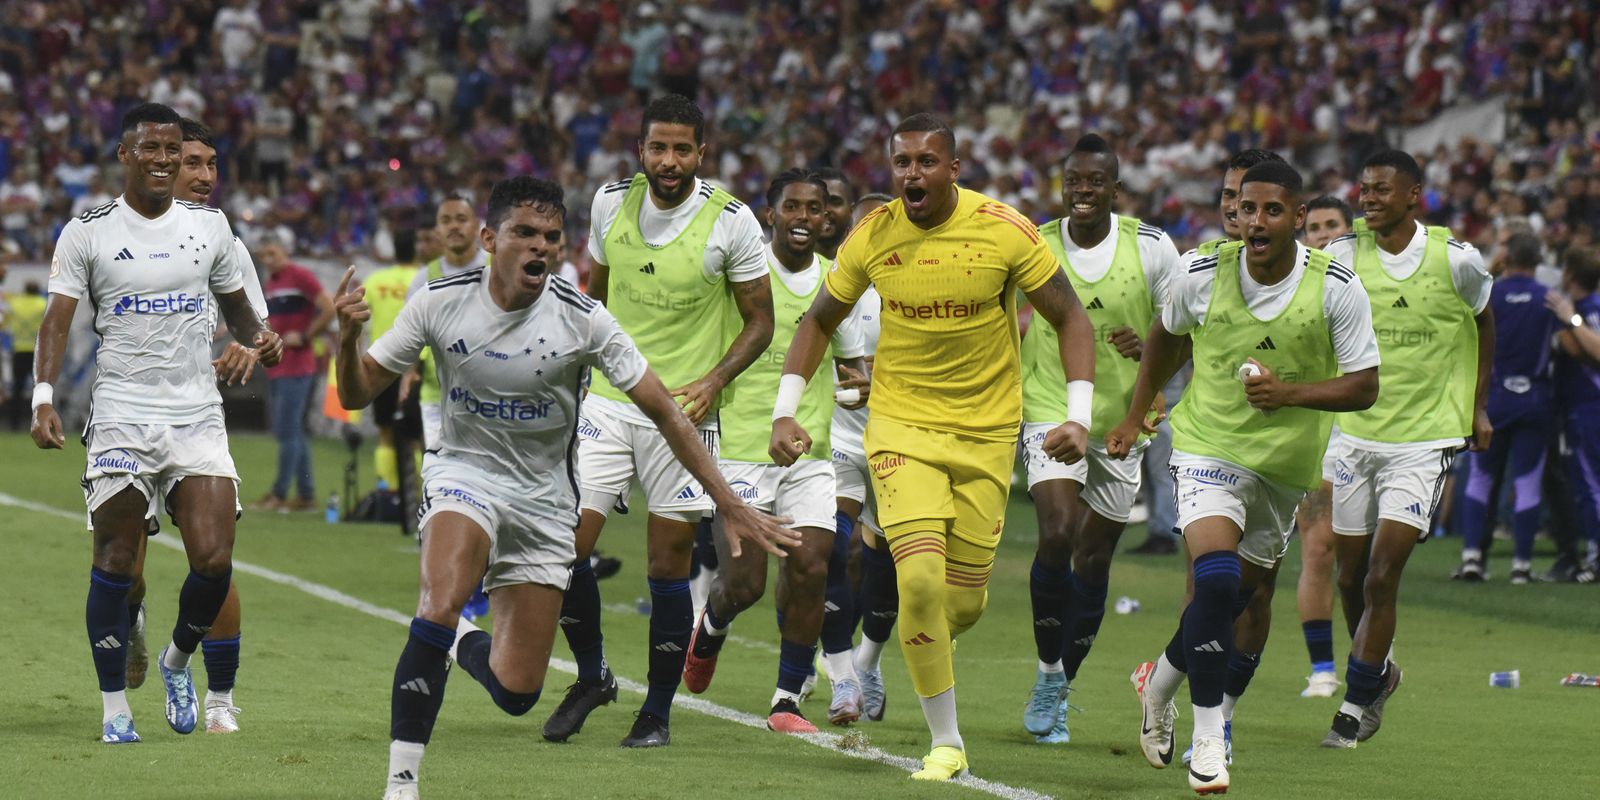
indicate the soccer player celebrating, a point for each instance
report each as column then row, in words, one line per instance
column 149, row 266
column 946, row 400
column 877, row 600
column 682, row 265
column 1430, row 307
column 1327, row 218
column 802, row 492
column 1121, row 264
column 500, row 500
column 1285, row 321
column 1520, row 398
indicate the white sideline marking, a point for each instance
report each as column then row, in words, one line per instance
column 828, row 741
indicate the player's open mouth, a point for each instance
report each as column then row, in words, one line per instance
column 163, row 174
column 799, row 236
column 534, row 269
column 1258, row 244
column 669, row 181
column 1082, row 207
column 916, row 196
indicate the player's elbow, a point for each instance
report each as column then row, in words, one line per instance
column 1365, row 391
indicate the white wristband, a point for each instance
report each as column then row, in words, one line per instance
column 43, row 395
column 790, row 388
column 1080, row 402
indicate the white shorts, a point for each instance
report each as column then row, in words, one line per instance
column 803, row 492
column 432, row 425
column 524, row 547
column 1403, row 487
column 153, row 458
column 1330, row 455
column 854, row 483
column 613, row 453
column 1109, row 486
column 1263, row 509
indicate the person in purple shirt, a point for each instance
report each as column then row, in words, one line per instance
column 1577, row 388
column 1519, row 408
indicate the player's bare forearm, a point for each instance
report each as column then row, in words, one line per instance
column 1355, row 391
column 754, row 300
column 53, row 331
column 651, row 397
column 1485, row 323
column 241, row 317
column 599, row 281
column 1058, row 304
column 361, row 378
column 815, row 331
column 1164, row 353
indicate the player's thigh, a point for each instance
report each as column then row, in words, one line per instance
column 669, row 490
column 1355, row 491
column 805, row 493
column 605, row 460
column 1213, row 499
column 1269, row 519
column 980, row 474
column 525, row 621
column 1409, row 486
column 757, row 485
column 122, row 479
column 910, row 490
column 1112, row 484
column 460, row 518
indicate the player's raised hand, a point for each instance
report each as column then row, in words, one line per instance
column 1127, row 342
column 853, row 379
column 351, row 306
column 269, row 348
column 46, row 428
column 235, row 364
column 741, row 523
column 789, row 441
column 1066, row 442
column 697, row 399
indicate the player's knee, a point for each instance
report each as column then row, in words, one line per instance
column 1382, row 585
column 742, row 591
column 1092, row 562
column 1055, row 538
column 919, row 588
column 963, row 607
column 517, row 697
column 212, row 563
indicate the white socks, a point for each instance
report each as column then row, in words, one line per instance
column 1350, row 708
column 1207, row 722
column 1228, row 704
column 868, row 654
column 175, row 658
column 841, row 665
column 1052, row 669
column 940, row 711
column 405, row 760
column 112, row 704
column 215, row 699
column 1164, row 680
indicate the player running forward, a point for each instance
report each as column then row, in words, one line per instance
column 947, row 396
column 151, row 268
column 877, row 600
column 1260, row 312
column 802, row 492
column 197, row 175
column 500, row 498
column 1430, row 307
column 683, row 267
column 1120, row 265
column 1520, row 398
column 1327, row 218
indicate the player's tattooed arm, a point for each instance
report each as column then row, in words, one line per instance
column 248, row 328
column 754, row 299
column 46, row 429
column 1058, row 304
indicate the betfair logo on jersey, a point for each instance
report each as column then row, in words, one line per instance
column 949, row 309
column 1403, row 336
column 657, row 298
column 174, row 303
column 513, row 409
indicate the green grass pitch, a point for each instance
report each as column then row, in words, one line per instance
column 315, row 675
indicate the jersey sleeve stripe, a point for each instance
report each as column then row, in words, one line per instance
column 97, row 212
column 571, row 295
column 1013, row 214
column 574, row 303
column 876, row 212
column 1349, row 237
column 464, row 279
column 1032, row 237
column 619, row 186
column 1202, row 264
column 1459, row 245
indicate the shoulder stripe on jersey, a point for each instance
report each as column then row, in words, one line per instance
column 1459, row 245
column 1202, row 264
column 573, row 300
column 1349, row 237
column 872, row 215
column 463, row 279
column 570, row 293
column 1008, row 211
column 198, row 206
column 619, row 186
column 1145, row 226
column 1150, row 234
column 1026, row 227
column 1340, row 273
column 97, row 212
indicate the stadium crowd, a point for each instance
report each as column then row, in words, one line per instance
column 336, row 122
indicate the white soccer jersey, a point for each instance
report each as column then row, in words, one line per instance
column 151, row 284
column 850, row 424
column 735, row 247
column 1158, row 256
column 511, row 380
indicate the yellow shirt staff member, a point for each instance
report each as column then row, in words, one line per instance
column 946, row 393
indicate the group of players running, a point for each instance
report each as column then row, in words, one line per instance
column 705, row 342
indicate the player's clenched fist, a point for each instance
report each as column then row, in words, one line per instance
column 351, row 306
column 1066, row 442
column 789, row 442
